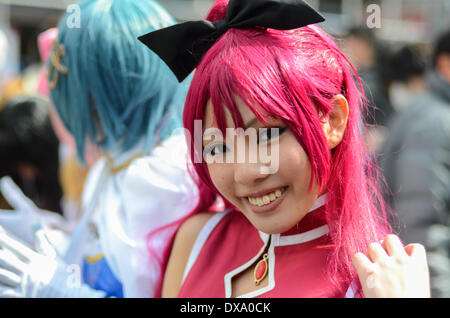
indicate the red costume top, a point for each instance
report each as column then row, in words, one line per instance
column 228, row 244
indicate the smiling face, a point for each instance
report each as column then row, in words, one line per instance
column 273, row 203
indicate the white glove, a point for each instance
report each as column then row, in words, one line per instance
column 26, row 217
column 27, row 273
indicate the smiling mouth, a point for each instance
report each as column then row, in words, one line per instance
column 266, row 199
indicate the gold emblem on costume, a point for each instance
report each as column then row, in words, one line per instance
column 261, row 268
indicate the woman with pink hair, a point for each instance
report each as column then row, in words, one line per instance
column 316, row 225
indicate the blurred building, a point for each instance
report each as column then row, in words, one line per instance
column 401, row 22
column 23, row 20
column 407, row 21
column 411, row 21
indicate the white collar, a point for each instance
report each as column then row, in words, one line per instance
column 279, row 240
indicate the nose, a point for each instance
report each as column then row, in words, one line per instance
column 249, row 174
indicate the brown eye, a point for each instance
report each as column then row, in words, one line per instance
column 219, row 149
column 216, row 149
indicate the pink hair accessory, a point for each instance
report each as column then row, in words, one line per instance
column 45, row 41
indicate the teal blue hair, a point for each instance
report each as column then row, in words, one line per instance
column 116, row 92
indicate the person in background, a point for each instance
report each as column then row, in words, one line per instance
column 404, row 73
column 416, row 164
column 114, row 97
column 29, row 151
column 28, row 210
column 369, row 56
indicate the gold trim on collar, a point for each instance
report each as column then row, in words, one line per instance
column 115, row 169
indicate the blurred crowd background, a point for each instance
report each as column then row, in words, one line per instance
column 403, row 59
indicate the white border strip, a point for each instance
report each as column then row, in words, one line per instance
column 351, row 291
column 201, row 239
column 303, row 237
column 230, row 275
column 271, row 284
column 322, row 200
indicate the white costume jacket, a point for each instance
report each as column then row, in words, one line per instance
column 122, row 203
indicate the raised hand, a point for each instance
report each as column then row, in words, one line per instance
column 391, row 270
column 25, row 272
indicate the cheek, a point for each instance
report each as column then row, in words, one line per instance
column 222, row 178
column 294, row 163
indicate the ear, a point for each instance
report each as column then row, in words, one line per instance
column 334, row 126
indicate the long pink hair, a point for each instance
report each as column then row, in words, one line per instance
column 294, row 75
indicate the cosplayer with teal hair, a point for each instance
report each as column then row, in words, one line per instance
column 119, row 101
column 114, row 92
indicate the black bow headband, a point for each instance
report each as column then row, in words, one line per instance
column 182, row 46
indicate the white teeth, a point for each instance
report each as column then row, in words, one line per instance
column 265, row 199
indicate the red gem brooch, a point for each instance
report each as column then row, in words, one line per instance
column 261, row 269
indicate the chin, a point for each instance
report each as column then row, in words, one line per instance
column 269, row 228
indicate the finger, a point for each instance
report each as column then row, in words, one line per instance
column 376, row 253
column 12, row 193
column 16, row 198
column 394, row 246
column 8, row 216
column 22, row 251
column 8, row 278
column 10, row 262
column 415, row 249
column 8, row 292
column 362, row 264
column 43, row 245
